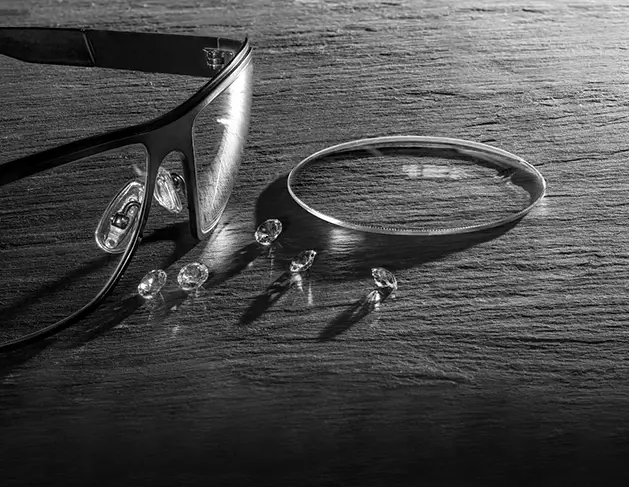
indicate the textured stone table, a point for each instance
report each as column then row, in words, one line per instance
column 504, row 357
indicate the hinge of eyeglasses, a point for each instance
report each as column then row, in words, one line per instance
column 216, row 59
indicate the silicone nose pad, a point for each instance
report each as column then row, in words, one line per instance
column 170, row 190
column 120, row 219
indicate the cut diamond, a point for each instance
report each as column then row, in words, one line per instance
column 384, row 278
column 152, row 283
column 268, row 231
column 303, row 261
column 192, row 276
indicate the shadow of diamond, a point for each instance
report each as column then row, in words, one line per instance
column 356, row 312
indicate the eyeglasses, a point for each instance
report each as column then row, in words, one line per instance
column 75, row 213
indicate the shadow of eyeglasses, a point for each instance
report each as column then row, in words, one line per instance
column 346, row 254
column 343, row 255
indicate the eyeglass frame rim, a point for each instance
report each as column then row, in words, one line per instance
column 31, row 164
column 148, row 134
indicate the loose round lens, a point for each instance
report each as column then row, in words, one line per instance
column 63, row 233
column 412, row 189
column 220, row 130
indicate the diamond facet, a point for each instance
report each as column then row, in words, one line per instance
column 192, row 276
column 303, row 261
column 384, row 278
column 152, row 283
column 268, row 231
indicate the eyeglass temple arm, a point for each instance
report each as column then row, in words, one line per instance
column 137, row 51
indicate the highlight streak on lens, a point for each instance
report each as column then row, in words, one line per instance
column 219, row 249
column 235, row 119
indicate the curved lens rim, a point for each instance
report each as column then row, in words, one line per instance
column 143, row 134
column 491, row 154
column 125, row 259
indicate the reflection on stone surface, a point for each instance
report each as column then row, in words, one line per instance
column 298, row 282
column 310, row 296
column 218, row 250
column 373, row 299
column 155, row 305
column 341, row 239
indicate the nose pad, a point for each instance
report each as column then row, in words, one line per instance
column 170, row 190
column 120, row 219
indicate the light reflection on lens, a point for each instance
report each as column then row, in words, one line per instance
column 220, row 130
column 410, row 190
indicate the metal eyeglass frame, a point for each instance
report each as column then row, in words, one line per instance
column 217, row 58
